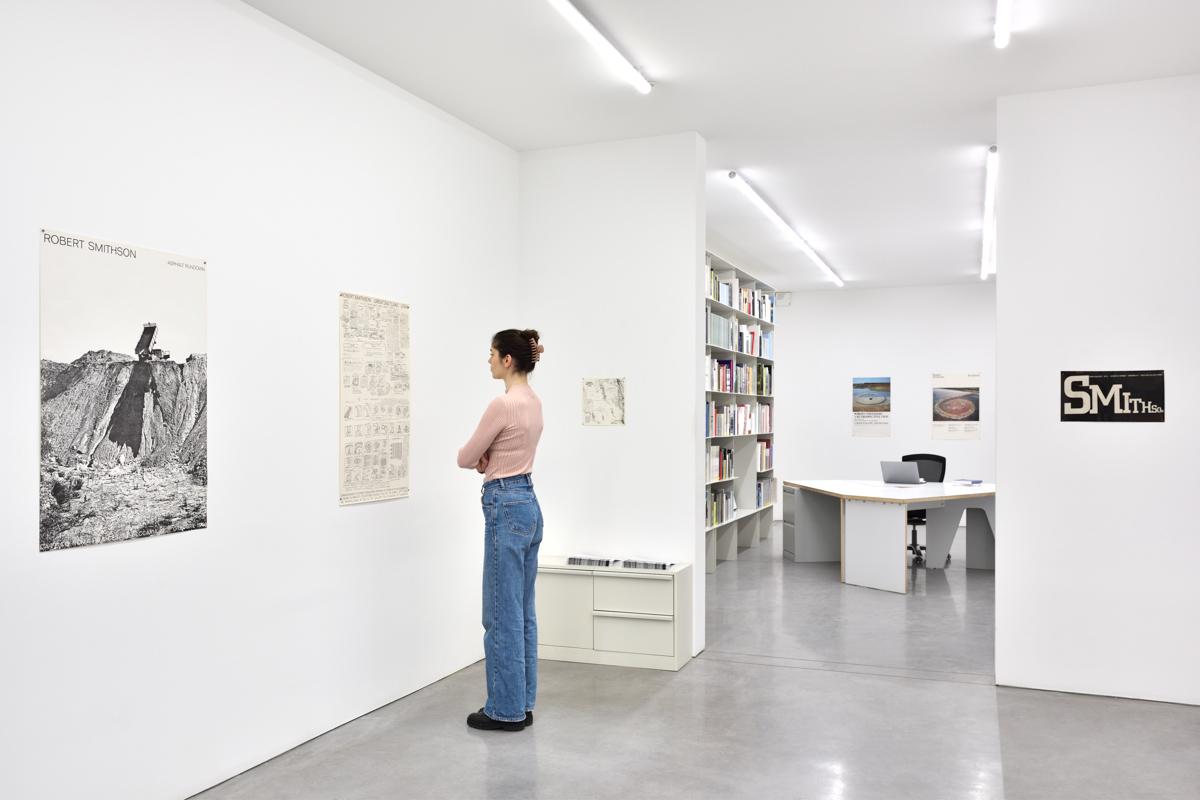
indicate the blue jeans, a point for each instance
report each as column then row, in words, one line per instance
column 512, row 534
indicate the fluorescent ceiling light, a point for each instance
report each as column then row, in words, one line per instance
column 610, row 54
column 1003, row 27
column 987, row 261
column 786, row 229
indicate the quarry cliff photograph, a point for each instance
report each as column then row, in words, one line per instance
column 124, row 392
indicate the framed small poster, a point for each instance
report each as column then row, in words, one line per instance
column 1119, row 396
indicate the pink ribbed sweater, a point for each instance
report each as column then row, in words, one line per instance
column 508, row 434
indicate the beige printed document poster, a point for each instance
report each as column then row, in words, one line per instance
column 374, row 424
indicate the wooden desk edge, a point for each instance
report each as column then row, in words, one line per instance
column 900, row 501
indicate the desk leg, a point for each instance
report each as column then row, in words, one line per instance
column 941, row 525
column 818, row 527
column 981, row 535
column 874, row 545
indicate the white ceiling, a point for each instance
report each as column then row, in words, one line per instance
column 864, row 122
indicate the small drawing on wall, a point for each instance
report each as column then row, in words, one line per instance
column 603, row 401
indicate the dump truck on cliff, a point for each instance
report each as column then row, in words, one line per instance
column 145, row 350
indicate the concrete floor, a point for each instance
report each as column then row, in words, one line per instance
column 807, row 689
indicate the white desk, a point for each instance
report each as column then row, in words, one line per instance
column 863, row 524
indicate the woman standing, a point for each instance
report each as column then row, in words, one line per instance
column 503, row 448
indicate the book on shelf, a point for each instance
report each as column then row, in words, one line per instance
column 750, row 340
column 764, row 492
column 766, row 459
column 721, row 505
column 763, row 379
column 720, row 374
column 719, row 420
column 764, row 418
column 590, row 561
column 627, row 563
column 719, row 290
column 744, row 379
column 745, row 420
column 637, row 563
column 765, row 305
column 722, row 331
column 720, row 462
column 757, row 303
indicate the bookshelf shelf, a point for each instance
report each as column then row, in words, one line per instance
column 742, row 315
column 733, row 394
column 741, row 515
column 740, row 319
column 737, row 353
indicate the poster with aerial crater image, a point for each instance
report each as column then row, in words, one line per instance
column 124, row 390
column 955, row 405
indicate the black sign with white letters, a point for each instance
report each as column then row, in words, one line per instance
column 1122, row 396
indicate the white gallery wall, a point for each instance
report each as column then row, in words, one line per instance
column 827, row 338
column 1097, row 549
column 612, row 252
column 155, row 668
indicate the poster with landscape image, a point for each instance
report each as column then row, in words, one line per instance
column 871, row 407
column 124, row 392
column 955, row 405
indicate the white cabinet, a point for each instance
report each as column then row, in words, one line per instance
column 566, row 621
column 639, row 594
column 611, row 615
column 630, row 633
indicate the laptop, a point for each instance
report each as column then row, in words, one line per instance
column 900, row 472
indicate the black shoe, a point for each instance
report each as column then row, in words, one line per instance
column 528, row 718
column 481, row 721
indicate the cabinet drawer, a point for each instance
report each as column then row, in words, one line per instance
column 651, row 594
column 634, row 634
column 789, row 505
column 564, row 608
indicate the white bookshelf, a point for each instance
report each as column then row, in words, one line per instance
column 739, row 363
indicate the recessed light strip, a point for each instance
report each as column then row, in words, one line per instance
column 786, row 229
column 1003, row 29
column 618, row 63
column 987, row 261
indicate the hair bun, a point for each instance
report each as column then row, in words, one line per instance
column 530, row 333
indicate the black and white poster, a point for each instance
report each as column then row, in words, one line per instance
column 1116, row 396
column 124, row 392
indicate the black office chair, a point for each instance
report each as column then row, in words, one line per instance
column 933, row 469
